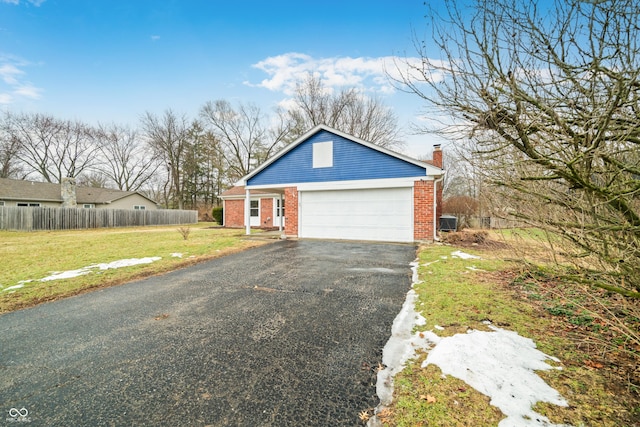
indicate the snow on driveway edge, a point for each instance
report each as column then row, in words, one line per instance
column 500, row 364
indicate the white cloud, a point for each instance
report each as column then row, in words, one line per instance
column 155, row 37
column 28, row 91
column 371, row 74
column 13, row 85
column 9, row 73
column 36, row 3
column 286, row 70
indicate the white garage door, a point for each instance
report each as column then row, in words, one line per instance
column 384, row 214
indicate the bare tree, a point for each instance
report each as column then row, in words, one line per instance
column 551, row 98
column 50, row 147
column 169, row 137
column 244, row 139
column 125, row 159
column 9, row 146
column 95, row 179
column 349, row 111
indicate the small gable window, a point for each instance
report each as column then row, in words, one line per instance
column 323, row 154
column 139, row 207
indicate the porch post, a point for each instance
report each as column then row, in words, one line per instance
column 247, row 211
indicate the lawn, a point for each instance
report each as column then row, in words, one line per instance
column 514, row 287
column 31, row 256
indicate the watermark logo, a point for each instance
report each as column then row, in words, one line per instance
column 19, row 415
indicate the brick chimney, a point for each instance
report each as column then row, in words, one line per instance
column 437, row 156
column 68, row 192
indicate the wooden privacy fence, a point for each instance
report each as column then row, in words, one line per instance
column 44, row 218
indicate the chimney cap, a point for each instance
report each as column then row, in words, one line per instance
column 436, row 146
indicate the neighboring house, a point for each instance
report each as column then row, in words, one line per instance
column 336, row 186
column 15, row 192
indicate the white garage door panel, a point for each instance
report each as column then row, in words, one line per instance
column 370, row 214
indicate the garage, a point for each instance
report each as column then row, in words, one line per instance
column 380, row 214
column 330, row 185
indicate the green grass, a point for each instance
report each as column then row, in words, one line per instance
column 34, row 255
column 457, row 298
column 453, row 297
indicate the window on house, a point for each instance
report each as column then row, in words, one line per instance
column 88, row 206
column 1, row 202
column 323, row 154
column 279, row 209
column 30, row 205
column 254, row 210
column 139, row 207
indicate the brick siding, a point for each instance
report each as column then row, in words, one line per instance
column 291, row 211
column 423, row 210
column 233, row 213
column 266, row 212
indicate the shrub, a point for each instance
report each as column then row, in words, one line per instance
column 217, row 213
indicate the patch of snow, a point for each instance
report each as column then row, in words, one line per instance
column 438, row 328
column 176, row 255
column 103, row 266
column 13, row 287
column 499, row 364
column 125, row 263
column 59, row 275
column 474, row 268
column 463, row 255
column 401, row 345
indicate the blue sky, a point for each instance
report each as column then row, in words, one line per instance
column 111, row 61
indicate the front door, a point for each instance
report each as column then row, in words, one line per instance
column 254, row 213
column 278, row 213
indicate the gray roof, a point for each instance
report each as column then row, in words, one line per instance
column 15, row 189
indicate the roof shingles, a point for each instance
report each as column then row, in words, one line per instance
column 14, row 189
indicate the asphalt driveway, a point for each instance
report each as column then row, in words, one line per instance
column 289, row 333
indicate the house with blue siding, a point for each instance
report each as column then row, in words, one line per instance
column 331, row 185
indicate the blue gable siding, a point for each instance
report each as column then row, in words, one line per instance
column 351, row 161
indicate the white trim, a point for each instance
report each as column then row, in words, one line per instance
column 253, row 196
column 282, row 211
column 352, row 185
column 277, row 210
column 247, row 212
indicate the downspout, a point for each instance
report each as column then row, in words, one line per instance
column 435, row 208
column 247, row 211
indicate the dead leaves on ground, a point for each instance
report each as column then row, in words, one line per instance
column 428, row 398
